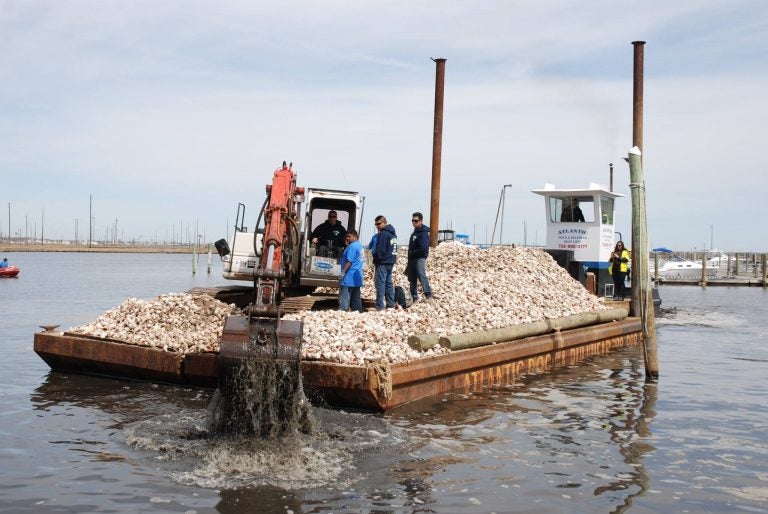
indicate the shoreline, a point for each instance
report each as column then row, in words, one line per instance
column 52, row 247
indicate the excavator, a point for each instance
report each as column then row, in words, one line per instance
column 259, row 374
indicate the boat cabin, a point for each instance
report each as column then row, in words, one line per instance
column 450, row 236
column 580, row 229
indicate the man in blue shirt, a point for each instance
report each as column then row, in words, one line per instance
column 351, row 279
column 4, row 264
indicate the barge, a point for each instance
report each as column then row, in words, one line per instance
column 376, row 387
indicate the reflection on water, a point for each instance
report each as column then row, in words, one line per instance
column 580, row 433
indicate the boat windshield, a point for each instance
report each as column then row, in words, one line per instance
column 606, row 210
column 569, row 209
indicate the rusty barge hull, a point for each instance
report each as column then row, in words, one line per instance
column 369, row 388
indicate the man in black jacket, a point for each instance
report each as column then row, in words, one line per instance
column 572, row 212
column 418, row 251
column 329, row 236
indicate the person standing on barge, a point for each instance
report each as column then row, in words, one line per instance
column 418, row 251
column 618, row 267
column 384, row 258
column 351, row 279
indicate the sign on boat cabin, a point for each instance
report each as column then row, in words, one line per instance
column 581, row 221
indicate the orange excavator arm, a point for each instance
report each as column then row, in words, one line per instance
column 281, row 234
column 279, row 210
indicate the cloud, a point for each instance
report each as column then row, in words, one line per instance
column 179, row 110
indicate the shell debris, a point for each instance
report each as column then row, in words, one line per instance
column 473, row 289
column 176, row 322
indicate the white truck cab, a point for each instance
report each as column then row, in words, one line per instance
column 324, row 270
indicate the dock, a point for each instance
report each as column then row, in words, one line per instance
column 727, row 269
column 727, row 282
column 376, row 387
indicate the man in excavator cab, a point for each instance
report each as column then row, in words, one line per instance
column 329, row 236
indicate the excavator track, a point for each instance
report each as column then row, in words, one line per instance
column 241, row 296
column 315, row 301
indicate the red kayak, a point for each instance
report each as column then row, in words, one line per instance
column 9, row 272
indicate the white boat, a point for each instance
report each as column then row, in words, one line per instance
column 720, row 260
column 675, row 266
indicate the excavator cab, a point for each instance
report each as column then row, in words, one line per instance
column 315, row 267
column 320, row 262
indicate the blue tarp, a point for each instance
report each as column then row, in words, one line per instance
column 662, row 249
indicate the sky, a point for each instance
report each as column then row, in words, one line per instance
column 169, row 113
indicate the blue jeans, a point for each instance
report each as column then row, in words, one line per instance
column 417, row 269
column 350, row 297
column 385, row 288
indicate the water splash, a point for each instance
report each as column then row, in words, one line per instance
column 338, row 450
column 700, row 317
column 263, row 397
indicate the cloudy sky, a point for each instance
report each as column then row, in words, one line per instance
column 170, row 113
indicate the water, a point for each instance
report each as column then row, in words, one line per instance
column 593, row 438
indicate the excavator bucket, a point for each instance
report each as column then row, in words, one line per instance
column 260, row 389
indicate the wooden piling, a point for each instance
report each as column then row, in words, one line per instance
column 764, row 265
column 640, row 276
column 703, row 282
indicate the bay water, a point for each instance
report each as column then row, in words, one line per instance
column 589, row 438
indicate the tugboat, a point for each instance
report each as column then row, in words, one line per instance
column 581, row 234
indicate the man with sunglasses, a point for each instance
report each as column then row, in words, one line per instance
column 418, row 251
column 329, row 236
column 384, row 258
column 351, row 279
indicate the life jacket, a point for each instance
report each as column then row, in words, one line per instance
column 624, row 266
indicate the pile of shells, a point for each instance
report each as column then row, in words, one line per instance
column 473, row 289
column 182, row 323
